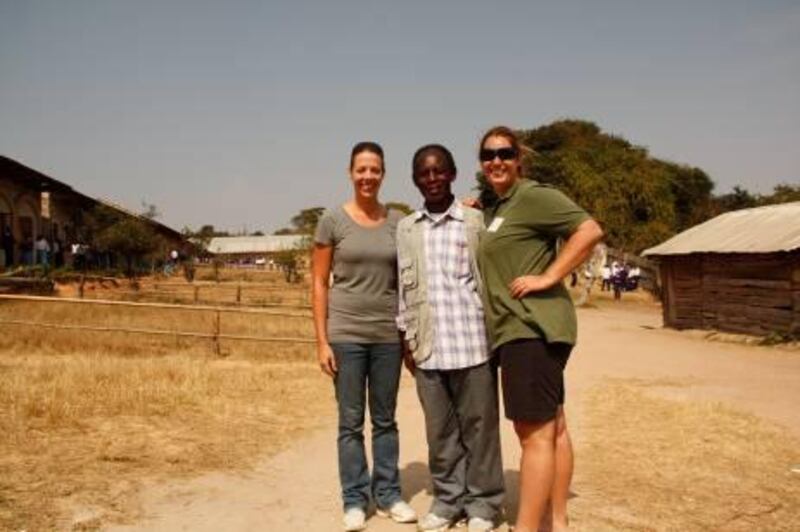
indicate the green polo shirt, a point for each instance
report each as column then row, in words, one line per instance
column 521, row 237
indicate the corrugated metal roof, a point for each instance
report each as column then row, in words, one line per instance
column 766, row 229
column 223, row 245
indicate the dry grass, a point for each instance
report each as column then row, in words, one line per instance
column 86, row 429
column 86, row 417
column 658, row 464
column 229, row 274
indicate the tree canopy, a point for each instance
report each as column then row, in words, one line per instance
column 121, row 234
column 303, row 223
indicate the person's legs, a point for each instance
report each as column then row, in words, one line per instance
column 536, row 471
column 350, row 382
column 533, row 394
column 565, row 461
column 446, row 453
column 475, row 397
column 385, row 361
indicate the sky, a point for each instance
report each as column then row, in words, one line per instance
column 241, row 113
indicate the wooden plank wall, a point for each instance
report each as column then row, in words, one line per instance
column 743, row 293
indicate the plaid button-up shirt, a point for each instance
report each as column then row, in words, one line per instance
column 459, row 338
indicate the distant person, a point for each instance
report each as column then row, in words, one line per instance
column 74, row 250
column 634, row 275
column 171, row 263
column 42, row 247
column 441, row 316
column 606, row 274
column 357, row 340
column 531, row 317
column 619, row 281
column 8, row 245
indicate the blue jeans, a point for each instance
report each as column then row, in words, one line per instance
column 374, row 368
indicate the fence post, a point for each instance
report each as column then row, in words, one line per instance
column 239, row 294
column 196, row 294
column 217, row 349
column 80, row 285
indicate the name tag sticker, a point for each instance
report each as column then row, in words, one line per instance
column 495, row 225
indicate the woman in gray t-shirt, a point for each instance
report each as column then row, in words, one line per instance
column 357, row 340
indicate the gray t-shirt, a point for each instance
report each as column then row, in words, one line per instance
column 362, row 303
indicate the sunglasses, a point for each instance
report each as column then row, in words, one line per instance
column 504, row 154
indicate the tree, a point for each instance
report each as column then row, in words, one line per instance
column 399, row 206
column 691, row 189
column 288, row 259
column 305, row 222
column 203, row 235
column 783, row 193
column 738, row 198
column 120, row 234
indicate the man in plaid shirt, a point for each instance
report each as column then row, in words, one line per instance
column 445, row 347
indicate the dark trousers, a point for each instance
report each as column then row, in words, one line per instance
column 461, row 425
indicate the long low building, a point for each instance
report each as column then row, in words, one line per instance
column 34, row 205
column 259, row 250
column 738, row 272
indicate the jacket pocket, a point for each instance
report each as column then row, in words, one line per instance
column 408, row 274
column 411, row 334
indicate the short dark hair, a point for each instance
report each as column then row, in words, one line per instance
column 372, row 147
column 436, row 150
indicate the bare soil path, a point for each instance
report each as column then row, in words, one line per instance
column 298, row 489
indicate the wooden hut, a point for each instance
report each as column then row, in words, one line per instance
column 738, row 272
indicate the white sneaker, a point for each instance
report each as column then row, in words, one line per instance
column 354, row 519
column 478, row 524
column 433, row 523
column 399, row 512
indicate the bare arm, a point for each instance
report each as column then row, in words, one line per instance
column 576, row 250
column 321, row 260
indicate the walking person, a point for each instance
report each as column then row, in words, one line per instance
column 357, row 338
column 531, row 317
column 445, row 348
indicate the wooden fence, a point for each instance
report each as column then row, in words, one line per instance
column 216, row 335
column 226, row 293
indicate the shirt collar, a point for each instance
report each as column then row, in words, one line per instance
column 510, row 192
column 454, row 211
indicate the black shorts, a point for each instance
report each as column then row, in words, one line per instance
column 533, row 378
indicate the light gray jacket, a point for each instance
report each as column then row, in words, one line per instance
column 413, row 277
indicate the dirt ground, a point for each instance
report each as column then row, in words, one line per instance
column 670, row 381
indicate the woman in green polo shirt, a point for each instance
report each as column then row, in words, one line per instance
column 531, row 318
